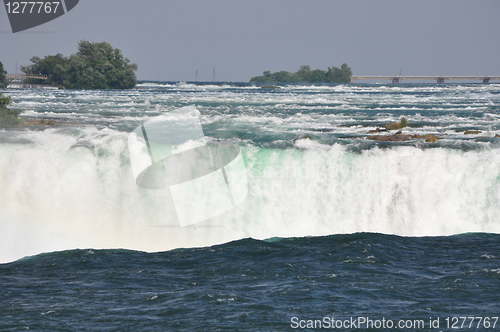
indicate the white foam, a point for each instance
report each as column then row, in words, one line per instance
column 54, row 197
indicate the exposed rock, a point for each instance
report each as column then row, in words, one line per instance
column 397, row 125
column 431, row 138
column 390, row 138
column 270, row 87
column 38, row 122
column 472, row 132
column 497, row 135
column 399, row 136
column 378, row 130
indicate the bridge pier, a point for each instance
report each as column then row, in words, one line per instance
column 439, row 79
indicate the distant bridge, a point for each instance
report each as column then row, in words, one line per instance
column 20, row 77
column 438, row 79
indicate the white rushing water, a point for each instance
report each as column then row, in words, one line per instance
column 310, row 169
column 75, row 189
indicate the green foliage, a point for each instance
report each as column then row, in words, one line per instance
column 52, row 65
column 8, row 117
column 306, row 75
column 4, row 101
column 339, row 75
column 404, row 122
column 397, row 125
column 94, row 66
column 3, row 80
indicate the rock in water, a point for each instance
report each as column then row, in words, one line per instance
column 397, row 125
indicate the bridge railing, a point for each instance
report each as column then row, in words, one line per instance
column 23, row 75
column 439, row 79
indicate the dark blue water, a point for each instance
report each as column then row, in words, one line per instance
column 251, row 285
column 313, row 175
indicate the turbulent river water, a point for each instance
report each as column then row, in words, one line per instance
column 332, row 223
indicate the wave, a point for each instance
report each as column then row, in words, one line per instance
column 68, row 188
column 346, row 245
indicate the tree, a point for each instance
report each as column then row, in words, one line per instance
column 317, row 76
column 306, row 75
column 100, row 66
column 339, row 75
column 55, row 66
column 94, row 66
column 3, row 80
column 303, row 74
column 8, row 117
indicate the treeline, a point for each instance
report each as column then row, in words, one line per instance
column 306, row 75
column 8, row 117
column 94, row 66
column 3, row 80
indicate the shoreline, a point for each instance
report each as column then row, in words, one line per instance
column 275, row 85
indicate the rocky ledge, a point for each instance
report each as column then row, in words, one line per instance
column 399, row 136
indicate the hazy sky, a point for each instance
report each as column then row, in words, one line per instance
column 170, row 40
